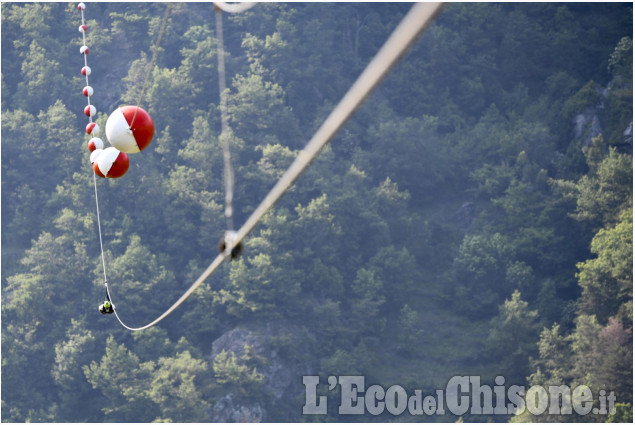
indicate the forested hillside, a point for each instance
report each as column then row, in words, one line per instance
column 473, row 218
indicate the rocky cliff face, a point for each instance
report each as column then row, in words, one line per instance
column 596, row 119
column 282, row 378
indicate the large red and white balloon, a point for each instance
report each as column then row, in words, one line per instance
column 130, row 139
column 110, row 163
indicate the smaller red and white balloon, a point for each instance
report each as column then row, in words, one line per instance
column 92, row 129
column 109, row 162
column 90, row 111
column 95, row 144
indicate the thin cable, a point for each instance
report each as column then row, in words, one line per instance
column 224, row 135
column 396, row 45
column 154, row 59
column 101, row 245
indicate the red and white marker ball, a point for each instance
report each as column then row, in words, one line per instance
column 111, row 163
column 95, row 144
column 90, row 111
column 81, row 6
column 83, row 28
column 88, row 91
column 86, row 70
column 92, row 128
column 124, row 138
column 84, row 50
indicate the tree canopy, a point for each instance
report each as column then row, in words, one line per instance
column 473, row 217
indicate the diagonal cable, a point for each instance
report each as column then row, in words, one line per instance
column 152, row 62
column 397, row 44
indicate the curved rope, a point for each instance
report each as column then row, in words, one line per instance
column 211, row 269
column 396, row 45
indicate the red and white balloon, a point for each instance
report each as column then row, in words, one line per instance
column 90, row 111
column 92, row 128
column 130, row 139
column 110, row 163
column 95, row 144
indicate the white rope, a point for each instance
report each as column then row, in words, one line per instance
column 101, row 245
column 396, row 45
column 224, row 135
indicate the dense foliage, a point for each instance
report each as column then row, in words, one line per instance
column 474, row 217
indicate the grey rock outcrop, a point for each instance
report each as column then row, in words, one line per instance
column 282, row 378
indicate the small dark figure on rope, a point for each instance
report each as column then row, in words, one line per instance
column 106, row 308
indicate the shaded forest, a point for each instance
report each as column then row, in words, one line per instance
column 473, row 218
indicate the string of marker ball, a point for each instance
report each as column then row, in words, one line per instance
column 129, row 129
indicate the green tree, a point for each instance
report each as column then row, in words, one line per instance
column 512, row 338
column 257, row 107
column 71, row 355
column 122, row 379
column 555, row 360
column 410, row 331
column 621, row 60
column 239, row 376
column 43, row 83
column 365, row 314
column 140, row 282
column 480, row 269
column 606, row 191
column 175, row 390
column 607, row 280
